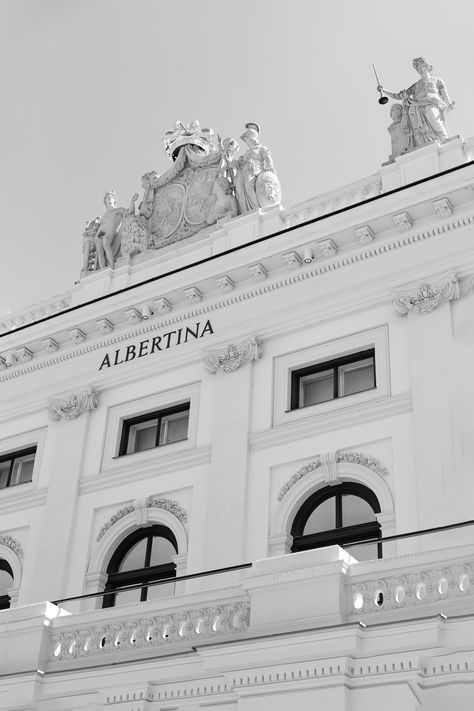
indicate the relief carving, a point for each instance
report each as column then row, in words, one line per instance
column 124, row 511
column 233, row 356
column 13, row 544
column 71, row 406
column 167, row 505
column 427, row 296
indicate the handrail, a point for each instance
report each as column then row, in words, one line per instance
column 243, row 566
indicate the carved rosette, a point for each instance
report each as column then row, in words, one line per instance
column 427, row 296
column 234, row 356
column 71, row 406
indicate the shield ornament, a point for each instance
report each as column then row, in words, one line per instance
column 168, row 208
column 199, row 190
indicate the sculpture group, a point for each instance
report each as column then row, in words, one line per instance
column 205, row 185
column 421, row 117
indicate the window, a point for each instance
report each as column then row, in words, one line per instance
column 333, row 379
column 155, row 429
column 17, row 467
column 143, row 557
column 6, row 582
column 338, row 515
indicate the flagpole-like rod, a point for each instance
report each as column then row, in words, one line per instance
column 383, row 99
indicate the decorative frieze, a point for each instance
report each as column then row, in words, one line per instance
column 49, row 345
column 402, row 221
column 162, row 306
column 104, row 326
column 443, row 207
column 77, row 336
column 258, row 272
column 234, row 355
column 13, row 544
column 71, row 406
column 152, row 632
column 327, row 248
column 167, row 505
column 426, row 296
column 225, row 284
column 292, row 260
column 330, row 460
column 364, row 235
column 193, row 295
column 124, row 511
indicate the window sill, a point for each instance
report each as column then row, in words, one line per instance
column 160, row 447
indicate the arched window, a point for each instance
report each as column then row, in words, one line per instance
column 144, row 556
column 339, row 515
column 6, row 582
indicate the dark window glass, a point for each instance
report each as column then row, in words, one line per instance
column 17, row 467
column 6, row 582
column 333, row 379
column 155, row 429
column 339, row 515
column 143, row 557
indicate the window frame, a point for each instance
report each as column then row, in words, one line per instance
column 158, row 415
column 340, row 535
column 333, row 365
column 147, row 574
column 5, row 600
column 12, row 456
column 312, row 355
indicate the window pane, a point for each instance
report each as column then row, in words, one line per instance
column 356, row 377
column 4, row 469
column 22, row 469
column 135, row 558
column 142, row 436
column 174, row 427
column 158, row 591
column 356, row 510
column 316, row 388
column 6, row 582
column 162, row 551
column 361, row 553
column 130, row 596
column 323, row 517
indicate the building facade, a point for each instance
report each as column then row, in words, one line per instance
column 271, row 391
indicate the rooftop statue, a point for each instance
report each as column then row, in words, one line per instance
column 204, row 186
column 423, row 109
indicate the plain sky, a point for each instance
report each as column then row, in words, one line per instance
column 90, row 86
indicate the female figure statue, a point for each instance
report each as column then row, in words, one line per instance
column 256, row 184
column 425, row 103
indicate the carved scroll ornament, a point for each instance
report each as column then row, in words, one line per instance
column 71, row 406
column 234, row 355
column 427, row 296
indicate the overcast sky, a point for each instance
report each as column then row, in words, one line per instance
column 90, row 86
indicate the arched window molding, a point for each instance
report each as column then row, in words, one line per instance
column 321, row 471
column 140, row 515
column 12, row 554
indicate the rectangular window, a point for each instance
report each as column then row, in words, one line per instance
column 155, row 429
column 17, row 467
column 333, row 379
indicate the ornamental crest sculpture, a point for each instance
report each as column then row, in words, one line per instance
column 205, row 185
column 427, row 296
column 233, row 356
column 71, row 406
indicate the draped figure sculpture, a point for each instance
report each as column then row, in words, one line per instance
column 424, row 106
column 256, row 183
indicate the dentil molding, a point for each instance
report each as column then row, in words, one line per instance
column 72, row 405
column 234, row 355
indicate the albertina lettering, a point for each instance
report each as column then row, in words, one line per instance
column 157, row 343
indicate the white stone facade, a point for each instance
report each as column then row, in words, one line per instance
column 303, row 630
